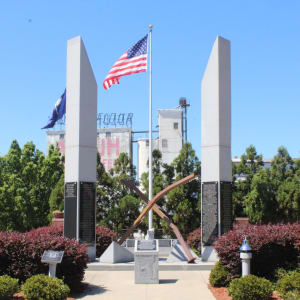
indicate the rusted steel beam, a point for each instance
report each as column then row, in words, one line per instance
column 157, row 209
column 152, row 202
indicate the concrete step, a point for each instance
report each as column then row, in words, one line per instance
column 163, row 266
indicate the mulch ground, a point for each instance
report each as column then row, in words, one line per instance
column 222, row 294
column 20, row 296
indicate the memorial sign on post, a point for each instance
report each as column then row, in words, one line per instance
column 52, row 258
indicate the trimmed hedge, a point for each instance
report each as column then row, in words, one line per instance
column 104, row 236
column 8, row 287
column 219, row 276
column 289, row 285
column 250, row 287
column 20, row 255
column 273, row 246
column 194, row 239
column 44, row 287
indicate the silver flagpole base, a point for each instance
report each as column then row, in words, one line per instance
column 150, row 234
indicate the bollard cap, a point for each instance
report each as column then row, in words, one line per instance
column 245, row 246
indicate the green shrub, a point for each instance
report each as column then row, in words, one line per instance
column 250, row 287
column 8, row 286
column 43, row 287
column 289, row 285
column 219, row 276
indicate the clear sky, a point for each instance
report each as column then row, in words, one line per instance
column 265, row 60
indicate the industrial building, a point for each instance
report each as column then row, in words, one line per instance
column 110, row 143
column 171, row 134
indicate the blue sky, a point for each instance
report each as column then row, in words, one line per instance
column 265, row 57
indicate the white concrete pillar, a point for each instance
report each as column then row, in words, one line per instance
column 216, row 165
column 80, row 147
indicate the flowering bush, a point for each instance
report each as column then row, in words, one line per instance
column 104, row 237
column 20, row 255
column 194, row 240
column 273, row 246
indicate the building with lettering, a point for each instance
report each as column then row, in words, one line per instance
column 110, row 143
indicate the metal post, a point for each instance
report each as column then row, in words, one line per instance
column 150, row 215
column 52, row 270
column 245, row 255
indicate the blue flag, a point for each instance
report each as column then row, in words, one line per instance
column 58, row 111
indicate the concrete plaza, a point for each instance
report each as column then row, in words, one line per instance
column 119, row 285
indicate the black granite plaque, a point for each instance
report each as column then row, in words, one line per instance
column 51, row 256
column 226, row 206
column 70, row 210
column 209, row 212
column 146, row 245
column 87, row 223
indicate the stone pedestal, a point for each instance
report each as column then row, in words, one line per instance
column 80, row 148
column 146, row 261
column 216, row 165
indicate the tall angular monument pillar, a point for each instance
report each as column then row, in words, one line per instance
column 80, row 148
column 216, row 165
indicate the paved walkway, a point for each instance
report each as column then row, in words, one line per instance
column 174, row 285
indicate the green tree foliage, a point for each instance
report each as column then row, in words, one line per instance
column 158, row 184
column 181, row 204
column 117, row 206
column 275, row 192
column 184, row 202
column 27, row 178
column 56, row 200
column 261, row 205
column 247, row 168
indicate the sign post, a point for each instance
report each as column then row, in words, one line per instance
column 52, row 258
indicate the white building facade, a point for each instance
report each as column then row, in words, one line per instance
column 169, row 141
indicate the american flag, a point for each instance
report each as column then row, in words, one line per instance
column 134, row 60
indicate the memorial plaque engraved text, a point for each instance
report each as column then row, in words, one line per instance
column 52, row 257
column 209, row 212
column 146, row 245
column 70, row 210
column 226, row 206
column 87, row 212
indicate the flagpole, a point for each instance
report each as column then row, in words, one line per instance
column 150, row 214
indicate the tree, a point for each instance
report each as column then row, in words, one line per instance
column 158, row 184
column 261, row 204
column 117, row 207
column 27, row 181
column 243, row 174
column 56, row 200
column 184, row 202
column 288, row 198
column 285, row 175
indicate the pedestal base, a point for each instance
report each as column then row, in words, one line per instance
column 209, row 254
column 91, row 252
column 150, row 234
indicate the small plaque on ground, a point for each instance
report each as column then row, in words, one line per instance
column 146, row 245
column 51, row 256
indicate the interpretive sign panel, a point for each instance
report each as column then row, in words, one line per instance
column 146, row 245
column 52, row 257
column 226, row 206
column 87, row 221
column 70, row 215
column 209, row 212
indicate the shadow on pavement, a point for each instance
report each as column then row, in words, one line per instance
column 89, row 290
